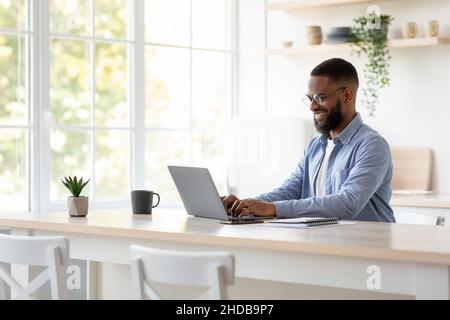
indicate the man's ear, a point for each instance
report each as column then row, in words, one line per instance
column 348, row 95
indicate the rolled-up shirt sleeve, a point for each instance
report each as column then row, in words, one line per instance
column 364, row 178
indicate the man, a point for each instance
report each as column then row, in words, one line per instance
column 346, row 172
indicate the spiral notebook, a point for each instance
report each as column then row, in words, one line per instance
column 305, row 222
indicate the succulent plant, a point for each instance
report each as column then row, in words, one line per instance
column 74, row 185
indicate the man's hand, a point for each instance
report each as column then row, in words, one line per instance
column 251, row 206
column 228, row 202
column 238, row 208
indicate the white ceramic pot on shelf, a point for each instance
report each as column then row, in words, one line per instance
column 314, row 35
column 78, row 206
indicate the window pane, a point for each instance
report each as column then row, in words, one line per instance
column 210, row 24
column 210, row 89
column 70, row 156
column 13, row 82
column 163, row 149
column 167, row 87
column 70, row 86
column 112, row 164
column 70, row 16
column 111, row 18
column 12, row 14
column 208, row 149
column 13, row 170
column 111, row 99
column 168, row 22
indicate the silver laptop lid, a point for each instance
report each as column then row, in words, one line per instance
column 198, row 192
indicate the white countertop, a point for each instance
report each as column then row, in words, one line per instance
column 427, row 244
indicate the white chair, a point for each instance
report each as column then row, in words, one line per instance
column 203, row 269
column 50, row 252
column 405, row 217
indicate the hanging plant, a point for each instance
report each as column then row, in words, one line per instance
column 368, row 37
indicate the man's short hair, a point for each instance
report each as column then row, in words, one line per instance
column 338, row 70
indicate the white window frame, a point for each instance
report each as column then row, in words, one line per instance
column 40, row 113
column 232, row 51
column 30, row 127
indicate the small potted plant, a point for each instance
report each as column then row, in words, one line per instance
column 78, row 206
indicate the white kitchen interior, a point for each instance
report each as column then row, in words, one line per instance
column 270, row 88
column 253, row 110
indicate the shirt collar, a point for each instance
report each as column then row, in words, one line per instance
column 346, row 135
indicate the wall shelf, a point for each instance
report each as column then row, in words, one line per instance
column 325, row 48
column 303, row 4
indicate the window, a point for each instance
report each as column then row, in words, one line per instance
column 118, row 99
column 15, row 115
column 188, row 88
column 89, row 96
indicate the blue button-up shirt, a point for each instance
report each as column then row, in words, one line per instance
column 358, row 179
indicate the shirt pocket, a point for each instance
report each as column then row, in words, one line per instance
column 339, row 179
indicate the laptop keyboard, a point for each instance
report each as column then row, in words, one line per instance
column 249, row 217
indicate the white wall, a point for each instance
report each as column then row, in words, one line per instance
column 413, row 110
column 264, row 151
column 265, row 148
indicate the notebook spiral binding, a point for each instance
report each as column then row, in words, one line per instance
column 322, row 221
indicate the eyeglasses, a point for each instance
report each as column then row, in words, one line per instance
column 318, row 98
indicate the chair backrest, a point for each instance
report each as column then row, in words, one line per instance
column 50, row 252
column 202, row 269
column 417, row 218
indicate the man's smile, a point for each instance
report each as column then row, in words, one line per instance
column 320, row 115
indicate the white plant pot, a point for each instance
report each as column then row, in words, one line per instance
column 78, row 206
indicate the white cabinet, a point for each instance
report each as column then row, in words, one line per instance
column 421, row 208
column 420, row 215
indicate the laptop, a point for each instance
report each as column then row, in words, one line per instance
column 200, row 197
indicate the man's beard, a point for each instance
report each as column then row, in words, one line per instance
column 334, row 118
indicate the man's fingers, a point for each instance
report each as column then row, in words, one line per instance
column 226, row 200
column 229, row 200
column 234, row 207
column 243, row 205
column 238, row 208
column 245, row 212
column 227, row 203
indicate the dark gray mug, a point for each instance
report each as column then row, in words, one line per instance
column 142, row 201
